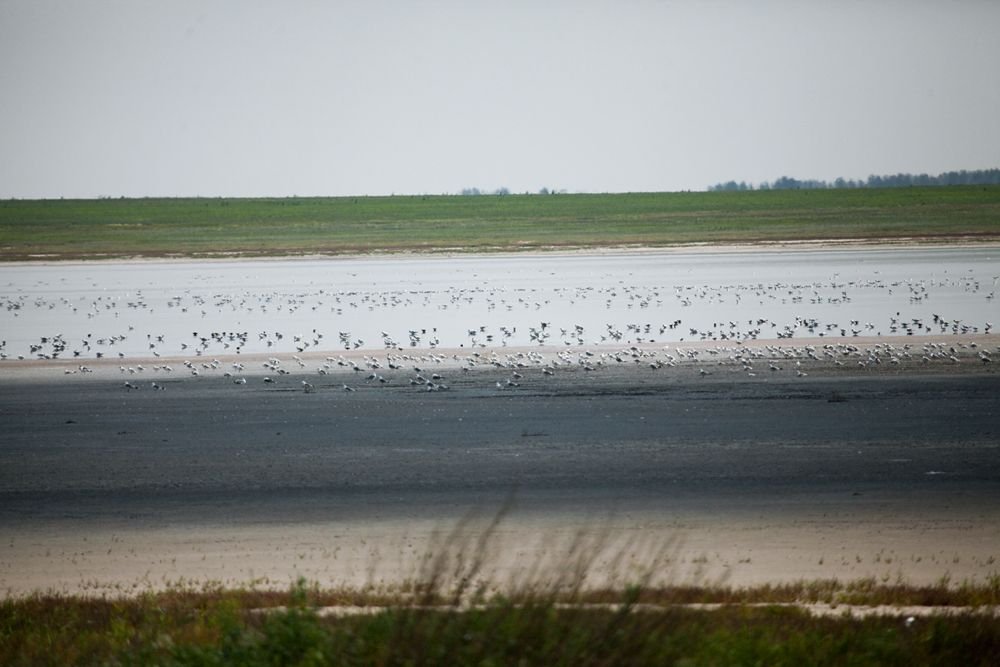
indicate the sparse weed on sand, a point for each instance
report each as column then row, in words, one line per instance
column 598, row 606
column 250, row 628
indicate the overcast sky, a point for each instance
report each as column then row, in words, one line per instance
column 242, row 98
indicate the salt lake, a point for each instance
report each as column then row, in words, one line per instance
column 140, row 309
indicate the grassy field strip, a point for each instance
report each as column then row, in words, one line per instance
column 119, row 228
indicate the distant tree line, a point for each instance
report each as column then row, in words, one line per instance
column 500, row 192
column 469, row 192
column 963, row 177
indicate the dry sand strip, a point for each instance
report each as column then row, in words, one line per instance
column 666, row 547
column 908, row 613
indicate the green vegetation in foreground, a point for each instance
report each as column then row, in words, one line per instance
column 68, row 229
column 227, row 627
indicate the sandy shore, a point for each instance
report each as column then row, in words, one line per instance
column 727, row 548
column 692, row 477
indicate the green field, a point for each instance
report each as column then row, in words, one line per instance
column 204, row 227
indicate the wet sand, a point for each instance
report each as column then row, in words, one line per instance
column 812, row 470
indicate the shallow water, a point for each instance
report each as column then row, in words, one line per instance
column 136, row 309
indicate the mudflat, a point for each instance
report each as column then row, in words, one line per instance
column 740, row 465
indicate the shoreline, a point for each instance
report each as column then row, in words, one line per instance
column 968, row 349
column 818, row 245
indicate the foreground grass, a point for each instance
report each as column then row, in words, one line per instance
column 68, row 229
column 216, row 626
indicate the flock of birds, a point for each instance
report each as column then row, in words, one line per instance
column 430, row 372
column 611, row 315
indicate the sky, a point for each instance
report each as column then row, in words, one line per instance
column 108, row 98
